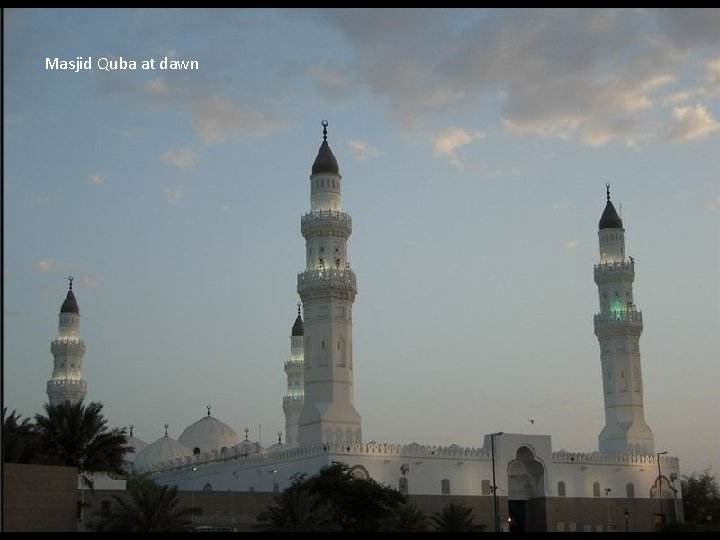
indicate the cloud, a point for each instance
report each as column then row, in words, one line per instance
column 98, row 179
column 48, row 289
column 363, row 150
column 692, row 123
column 89, row 282
column 448, row 142
column 677, row 98
column 182, row 159
column 217, row 120
column 562, row 205
column 44, row 266
column 173, row 195
column 588, row 76
column 156, row 87
column 570, row 245
column 714, row 205
column 331, row 85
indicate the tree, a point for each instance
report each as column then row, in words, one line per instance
column 455, row 518
column 701, row 498
column 20, row 440
column 297, row 510
column 147, row 507
column 77, row 435
column 405, row 518
column 356, row 504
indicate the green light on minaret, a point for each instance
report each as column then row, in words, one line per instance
column 618, row 307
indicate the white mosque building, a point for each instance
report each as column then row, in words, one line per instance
column 519, row 476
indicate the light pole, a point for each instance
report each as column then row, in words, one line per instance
column 607, row 498
column 496, row 514
column 192, row 496
column 662, row 521
column 627, row 520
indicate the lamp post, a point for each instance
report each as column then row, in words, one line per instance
column 627, row 520
column 496, row 514
column 192, row 496
column 662, row 521
column 607, row 498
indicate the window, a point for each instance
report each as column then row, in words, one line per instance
column 276, row 488
column 630, row 490
column 445, row 486
column 196, row 450
column 561, row 489
column 485, row 488
column 596, row 489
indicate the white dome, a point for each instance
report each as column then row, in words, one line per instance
column 135, row 446
column 208, row 434
column 164, row 449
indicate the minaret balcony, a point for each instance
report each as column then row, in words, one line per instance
column 69, row 346
column 294, row 365
column 610, row 270
column 67, row 385
column 617, row 319
column 324, row 283
column 293, row 401
column 326, row 223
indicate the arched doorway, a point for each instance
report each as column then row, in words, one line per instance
column 526, row 492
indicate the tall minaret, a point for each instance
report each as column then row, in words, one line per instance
column 294, row 368
column 327, row 289
column 67, row 383
column 618, row 327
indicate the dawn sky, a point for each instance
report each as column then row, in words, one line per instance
column 474, row 145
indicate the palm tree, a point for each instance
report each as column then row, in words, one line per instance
column 77, row 435
column 455, row 518
column 147, row 507
column 297, row 510
column 20, row 441
column 404, row 518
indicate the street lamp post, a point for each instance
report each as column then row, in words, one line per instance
column 627, row 520
column 496, row 514
column 662, row 521
column 192, row 496
column 607, row 498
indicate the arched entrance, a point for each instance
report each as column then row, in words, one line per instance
column 526, row 492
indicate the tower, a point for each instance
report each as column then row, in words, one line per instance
column 327, row 289
column 618, row 327
column 294, row 368
column 67, row 383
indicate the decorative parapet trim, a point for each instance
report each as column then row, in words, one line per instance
column 595, row 458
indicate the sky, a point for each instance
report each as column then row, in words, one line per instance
column 474, row 145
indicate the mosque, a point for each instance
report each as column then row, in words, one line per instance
column 514, row 481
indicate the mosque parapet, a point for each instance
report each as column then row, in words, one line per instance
column 595, row 458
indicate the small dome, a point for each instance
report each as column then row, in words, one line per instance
column 70, row 305
column 277, row 447
column 164, row 449
column 610, row 218
column 208, row 434
column 135, row 445
column 325, row 161
column 248, row 447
